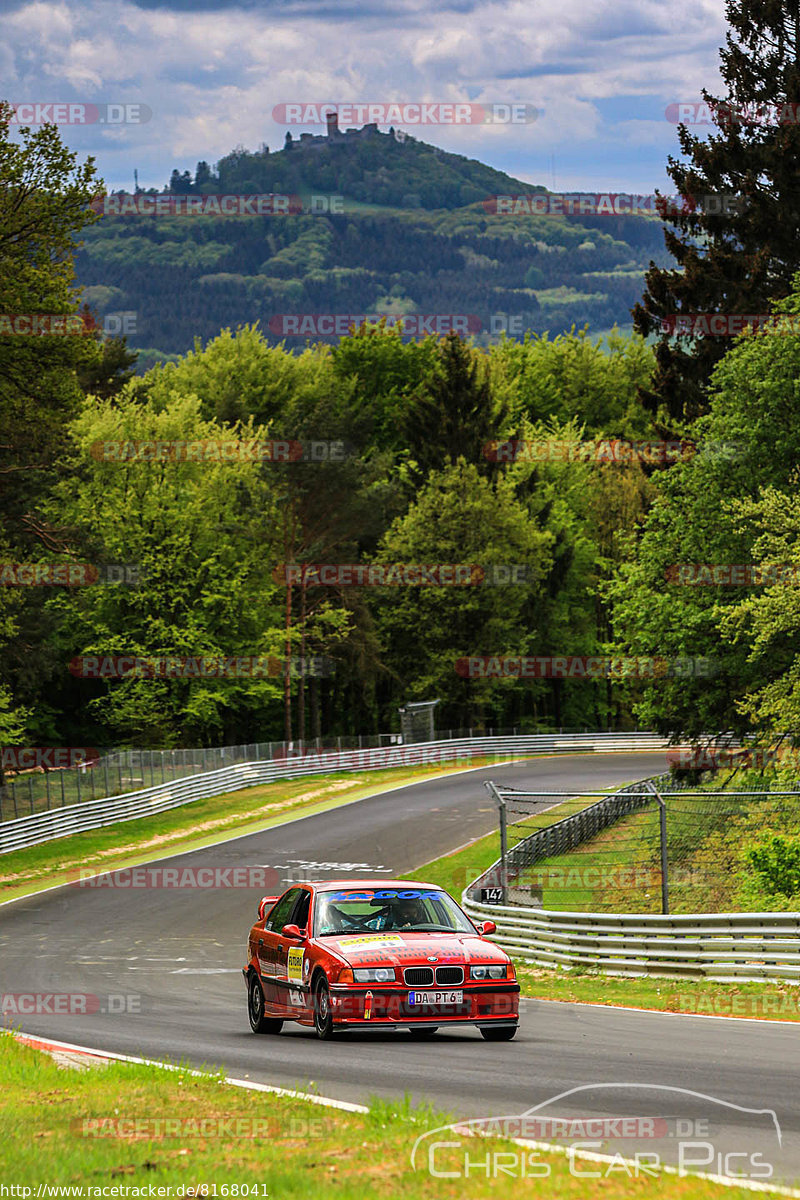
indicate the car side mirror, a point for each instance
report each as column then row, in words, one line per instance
column 487, row 927
column 294, row 931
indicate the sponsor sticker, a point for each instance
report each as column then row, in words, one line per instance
column 294, row 965
column 386, row 939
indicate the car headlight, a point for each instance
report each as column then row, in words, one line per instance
column 374, row 975
column 487, row 972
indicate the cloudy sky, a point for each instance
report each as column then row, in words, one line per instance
column 600, row 74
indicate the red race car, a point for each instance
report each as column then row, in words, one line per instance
column 344, row 955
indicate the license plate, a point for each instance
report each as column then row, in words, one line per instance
column 427, row 998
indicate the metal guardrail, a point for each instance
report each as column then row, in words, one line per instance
column 120, row 771
column 725, row 947
column 93, row 814
column 719, row 946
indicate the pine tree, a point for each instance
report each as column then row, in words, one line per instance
column 454, row 414
column 737, row 261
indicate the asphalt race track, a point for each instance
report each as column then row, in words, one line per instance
column 165, row 965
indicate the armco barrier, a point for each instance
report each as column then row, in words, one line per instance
column 92, row 814
column 724, row 947
column 121, row 771
column 717, row 946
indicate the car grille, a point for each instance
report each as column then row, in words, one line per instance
column 418, row 976
column 449, row 975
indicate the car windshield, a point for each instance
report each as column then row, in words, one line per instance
column 374, row 910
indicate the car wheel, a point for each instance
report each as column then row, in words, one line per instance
column 499, row 1033
column 255, row 1009
column 423, row 1033
column 323, row 1017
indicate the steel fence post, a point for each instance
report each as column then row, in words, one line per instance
column 662, row 822
column 501, row 806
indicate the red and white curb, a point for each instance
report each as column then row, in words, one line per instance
column 68, row 1055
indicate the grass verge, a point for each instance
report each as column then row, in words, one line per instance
column 758, row 1001
column 142, row 1127
column 201, row 823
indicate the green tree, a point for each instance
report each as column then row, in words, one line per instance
column 717, row 508
column 455, row 413
column 766, row 623
column 735, row 261
column 776, row 861
column 573, row 376
column 201, row 533
column 384, row 372
column 459, row 516
column 44, row 199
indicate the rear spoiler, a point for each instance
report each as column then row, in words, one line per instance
column 265, row 905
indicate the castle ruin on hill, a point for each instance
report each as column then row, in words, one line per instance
column 334, row 135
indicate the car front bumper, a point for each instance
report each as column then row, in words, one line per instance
column 482, row 1005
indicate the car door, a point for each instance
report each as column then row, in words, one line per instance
column 291, row 956
column 268, row 950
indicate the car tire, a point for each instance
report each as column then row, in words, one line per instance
column 255, row 1008
column 499, row 1033
column 323, row 1017
column 423, row 1033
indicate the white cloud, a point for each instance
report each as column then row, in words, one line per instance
column 212, row 77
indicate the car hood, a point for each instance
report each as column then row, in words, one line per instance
column 413, row 949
